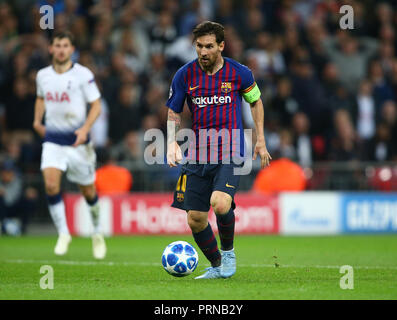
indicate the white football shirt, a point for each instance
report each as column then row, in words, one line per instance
column 65, row 97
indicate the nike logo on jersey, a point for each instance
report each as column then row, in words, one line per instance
column 190, row 88
column 230, row 186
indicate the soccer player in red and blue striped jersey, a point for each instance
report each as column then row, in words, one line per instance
column 213, row 87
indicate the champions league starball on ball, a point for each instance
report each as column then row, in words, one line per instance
column 179, row 259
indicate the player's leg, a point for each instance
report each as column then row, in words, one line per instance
column 81, row 170
column 225, row 186
column 52, row 182
column 192, row 194
column 204, row 236
column 90, row 195
column 221, row 203
column 206, row 241
column 98, row 242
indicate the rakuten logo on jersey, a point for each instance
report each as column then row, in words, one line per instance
column 206, row 101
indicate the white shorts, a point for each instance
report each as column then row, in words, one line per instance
column 78, row 162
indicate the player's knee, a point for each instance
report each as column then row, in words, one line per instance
column 196, row 222
column 88, row 192
column 89, row 195
column 220, row 205
column 52, row 187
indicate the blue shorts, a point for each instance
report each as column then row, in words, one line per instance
column 197, row 182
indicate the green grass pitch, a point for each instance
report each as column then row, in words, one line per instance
column 268, row 267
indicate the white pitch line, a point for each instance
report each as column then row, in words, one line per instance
column 81, row 263
column 112, row 263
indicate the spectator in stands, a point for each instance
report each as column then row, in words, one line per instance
column 316, row 32
column 286, row 148
column 386, row 57
column 153, row 96
column 235, row 48
column 393, row 77
column 15, row 201
column 283, row 105
column 181, row 51
column 379, row 148
column 157, row 72
column 382, row 90
column 129, row 150
column 291, row 43
column 112, row 82
column 225, row 13
column 383, row 16
column 350, row 56
column 330, row 80
column 269, row 58
column 190, row 18
column 125, row 42
column 19, row 110
column 387, row 34
column 365, row 111
column 342, row 99
column 389, row 118
column 125, row 114
column 253, row 24
column 344, row 146
column 309, row 93
column 389, row 113
column 163, row 33
column 302, row 142
column 99, row 49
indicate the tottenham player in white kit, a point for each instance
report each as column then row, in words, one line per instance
column 63, row 91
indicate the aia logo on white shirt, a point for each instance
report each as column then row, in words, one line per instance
column 57, row 97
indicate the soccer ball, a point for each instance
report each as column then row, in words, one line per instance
column 179, row 258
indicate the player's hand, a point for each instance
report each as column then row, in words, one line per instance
column 174, row 154
column 39, row 128
column 81, row 136
column 260, row 148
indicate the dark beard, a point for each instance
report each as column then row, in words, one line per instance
column 208, row 67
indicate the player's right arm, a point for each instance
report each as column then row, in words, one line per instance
column 175, row 104
column 174, row 153
column 39, row 109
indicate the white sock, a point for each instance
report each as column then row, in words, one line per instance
column 58, row 215
column 94, row 210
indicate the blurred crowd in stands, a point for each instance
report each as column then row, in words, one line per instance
column 329, row 94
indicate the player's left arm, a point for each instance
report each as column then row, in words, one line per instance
column 251, row 94
column 93, row 97
column 260, row 146
column 93, row 114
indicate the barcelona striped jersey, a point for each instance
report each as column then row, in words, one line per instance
column 215, row 103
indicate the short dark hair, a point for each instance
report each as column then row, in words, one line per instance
column 209, row 27
column 63, row 35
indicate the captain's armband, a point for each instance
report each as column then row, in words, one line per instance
column 252, row 93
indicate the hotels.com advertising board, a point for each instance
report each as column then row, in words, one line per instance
column 151, row 213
